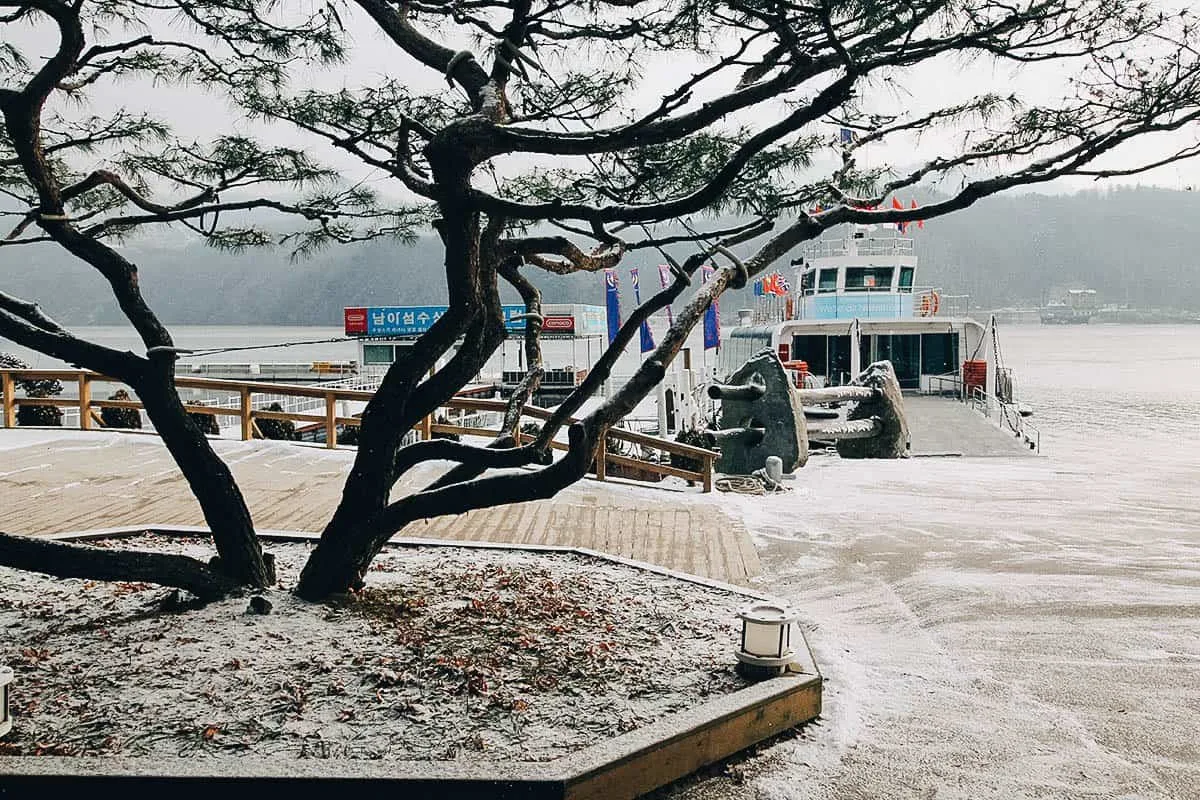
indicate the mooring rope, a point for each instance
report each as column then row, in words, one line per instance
column 740, row 484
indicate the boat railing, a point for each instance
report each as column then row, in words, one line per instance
column 978, row 399
column 949, row 383
column 1032, row 436
column 1011, row 418
column 866, row 246
column 883, row 301
column 948, row 305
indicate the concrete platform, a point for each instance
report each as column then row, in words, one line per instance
column 943, row 426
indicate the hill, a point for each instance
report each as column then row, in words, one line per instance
column 1133, row 245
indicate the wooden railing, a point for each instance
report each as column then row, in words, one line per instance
column 90, row 419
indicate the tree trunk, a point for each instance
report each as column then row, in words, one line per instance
column 65, row 560
column 345, row 561
column 401, row 401
column 210, row 480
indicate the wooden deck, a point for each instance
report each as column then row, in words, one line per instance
column 106, row 480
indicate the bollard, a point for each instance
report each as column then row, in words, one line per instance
column 883, row 416
column 760, row 417
column 775, row 468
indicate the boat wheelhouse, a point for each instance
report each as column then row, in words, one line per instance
column 856, row 301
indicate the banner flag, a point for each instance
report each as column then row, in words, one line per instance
column 647, row 338
column 712, row 317
column 612, row 296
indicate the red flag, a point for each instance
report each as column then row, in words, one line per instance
column 920, row 222
column 896, row 204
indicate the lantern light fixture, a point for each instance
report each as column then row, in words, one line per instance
column 766, row 648
column 6, row 676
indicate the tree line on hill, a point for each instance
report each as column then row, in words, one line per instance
column 1135, row 246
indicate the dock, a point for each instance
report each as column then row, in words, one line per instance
column 85, row 481
column 940, row 426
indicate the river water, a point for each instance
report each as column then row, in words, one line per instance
column 1131, row 390
column 1129, row 394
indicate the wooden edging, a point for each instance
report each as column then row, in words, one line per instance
column 622, row 768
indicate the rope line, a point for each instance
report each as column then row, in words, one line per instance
column 216, row 350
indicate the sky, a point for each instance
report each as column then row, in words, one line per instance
column 200, row 114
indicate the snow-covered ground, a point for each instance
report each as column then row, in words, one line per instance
column 1001, row 628
column 988, row 628
column 1010, row 627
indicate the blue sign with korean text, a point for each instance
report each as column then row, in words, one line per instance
column 415, row 320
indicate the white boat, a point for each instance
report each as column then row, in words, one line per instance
column 855, row 300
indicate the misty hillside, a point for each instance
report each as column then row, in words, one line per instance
column 1135, row 246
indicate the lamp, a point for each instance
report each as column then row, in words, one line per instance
column 6, row 676
column 766, row 648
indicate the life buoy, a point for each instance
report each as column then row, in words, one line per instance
column 930, row 301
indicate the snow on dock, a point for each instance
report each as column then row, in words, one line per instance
column 988, row 628
column 70, row 481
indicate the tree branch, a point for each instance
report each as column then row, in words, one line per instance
column 462, row 66
column 481, row 458
column 66, row 560
column 19, row 325
column 535, row 370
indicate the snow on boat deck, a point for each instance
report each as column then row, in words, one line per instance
column 943, row 426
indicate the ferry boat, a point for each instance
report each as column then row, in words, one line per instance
column 855, row 301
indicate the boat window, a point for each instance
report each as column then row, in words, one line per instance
column 377, row 354
column 828, row 282
column 839, row 360
column 904, row 351
column 906, row 278
column 939, row 353
column 866, row 279
column 807, row 280
column 813, row 351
